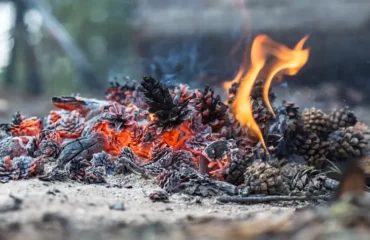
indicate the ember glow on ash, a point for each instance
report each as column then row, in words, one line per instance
column 286, row 61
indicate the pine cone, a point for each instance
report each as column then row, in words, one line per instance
column 342, row 118
column 263, row 178
column 349, row 142
column 261, row 113
column 232, row 92
column 234, row 173
column 292, row 110
column 125, row 92
column 168, row 113
column 67, row 124
column 313, row 149
column 117, row 117
column 21, row 126
column 213, row 111
column 315, row 121
column 257, row 91
column 77, row 169
column 302, row 178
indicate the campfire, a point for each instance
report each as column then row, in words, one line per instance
column 190, row 140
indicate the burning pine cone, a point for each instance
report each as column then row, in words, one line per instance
column 125, row 92
column 21, row 126
column 315, row 121
column 264, row 178
column 342, row 118
column 168, row 113
column 349, row 142
column 213, row 111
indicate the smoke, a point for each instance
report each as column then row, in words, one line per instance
column 158, row 17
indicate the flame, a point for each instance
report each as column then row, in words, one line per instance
column 289, row 61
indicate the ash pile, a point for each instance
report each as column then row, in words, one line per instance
column 187, row 140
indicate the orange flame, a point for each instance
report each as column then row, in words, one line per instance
column 287, row 60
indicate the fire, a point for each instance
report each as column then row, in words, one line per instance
column 287, row 61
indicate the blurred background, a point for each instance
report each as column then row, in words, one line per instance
column 63, row 47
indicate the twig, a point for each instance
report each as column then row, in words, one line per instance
column 264, row 199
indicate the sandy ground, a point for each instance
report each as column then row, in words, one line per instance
column 89, row 205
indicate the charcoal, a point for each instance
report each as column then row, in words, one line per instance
column 17, row 146
column 84, row 106
column 218, row 149
column 83, row 147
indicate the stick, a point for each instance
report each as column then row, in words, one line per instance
column 264, row 199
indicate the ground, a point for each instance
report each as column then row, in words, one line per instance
column 87, row 207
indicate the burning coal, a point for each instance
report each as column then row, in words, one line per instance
column 188, row 139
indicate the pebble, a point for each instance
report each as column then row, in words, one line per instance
column 117, row 207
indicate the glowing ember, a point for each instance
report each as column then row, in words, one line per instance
column 287, row 61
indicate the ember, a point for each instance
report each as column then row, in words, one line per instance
column 189, row 140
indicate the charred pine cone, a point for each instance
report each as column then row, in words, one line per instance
column 124, row 92
column 50, row 144
column 342, row 118
column 301, row 178
column 167, row 160
column 168, row 112
column 212, row 110
column 76, row 169
column 257, row 91
column 20, row 168
column 117, row 117
column 234, row 173
column 233, row 90
column 17, row 146
column 264, row 178
column 350, row 142
column 188, row 181
column 104, row 161
column 292, row 110
column 159, row 196
column 316, row 121
column 68, row 124
column 21, row 126
column 261, row 113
